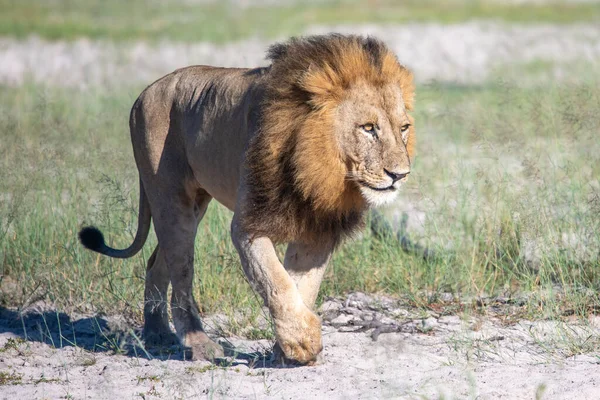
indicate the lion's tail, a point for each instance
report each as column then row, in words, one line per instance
column 92, row 238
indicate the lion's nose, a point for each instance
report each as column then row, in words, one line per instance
column 396, row 176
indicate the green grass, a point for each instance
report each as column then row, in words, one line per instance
column 225, row 21
column 12, row 378
column 507, row 178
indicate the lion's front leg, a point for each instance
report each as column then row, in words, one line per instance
column 306, row 263
column 297, row 328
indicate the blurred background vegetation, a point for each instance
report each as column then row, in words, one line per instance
column 221, row 21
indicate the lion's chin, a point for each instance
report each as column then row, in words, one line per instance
column 378, row 198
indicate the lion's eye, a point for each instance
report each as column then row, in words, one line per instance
column 368, row 127
column 404, row 131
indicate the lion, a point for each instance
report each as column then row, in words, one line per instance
column 298, row 150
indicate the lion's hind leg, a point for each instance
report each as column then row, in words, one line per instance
column 156, row 318
column 176, row 216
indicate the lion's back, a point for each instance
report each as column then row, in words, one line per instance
column 200, row 114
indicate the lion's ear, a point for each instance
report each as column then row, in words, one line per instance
column 407, row 85
column 410, row 146
column 392, row 70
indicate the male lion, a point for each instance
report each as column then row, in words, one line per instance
column 299, row 150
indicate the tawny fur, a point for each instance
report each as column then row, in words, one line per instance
column 297, row 175
column 286, row 148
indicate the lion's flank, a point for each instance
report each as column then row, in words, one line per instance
column 298, row 189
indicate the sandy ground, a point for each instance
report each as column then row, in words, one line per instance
column 464, row 53
column 374, row 348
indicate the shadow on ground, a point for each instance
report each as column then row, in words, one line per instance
column 57, row 329
column 107, row 334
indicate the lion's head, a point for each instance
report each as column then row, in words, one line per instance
column 334, row 136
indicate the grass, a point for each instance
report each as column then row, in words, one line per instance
column 12, row 344
column 506, row 182
column 12, row 378
column 225, row 21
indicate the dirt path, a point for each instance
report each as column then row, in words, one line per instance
column 415, row 355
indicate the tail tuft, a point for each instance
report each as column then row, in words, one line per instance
column 92, row 238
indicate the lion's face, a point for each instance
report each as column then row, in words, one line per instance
column 373, row 130
column 334, row 137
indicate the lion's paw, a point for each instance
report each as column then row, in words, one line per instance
column 280, row 359
column 200, row 347
column 299, row 336
column 162, row 338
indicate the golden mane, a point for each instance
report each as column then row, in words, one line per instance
column 298, row 189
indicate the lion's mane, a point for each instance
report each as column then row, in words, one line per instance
column 297, row 183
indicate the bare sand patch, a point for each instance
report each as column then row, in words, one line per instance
column 416, row 354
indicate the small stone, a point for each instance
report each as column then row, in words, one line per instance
column 428, row 324
column 358, row 300
column 408, row 328
column 387, row 320
column 399, row 313
column 342, row 319
column 595, row 321
column 368, row 317
column 331, row 305
column 446, row 297
column 353, row 311
column 355, row 304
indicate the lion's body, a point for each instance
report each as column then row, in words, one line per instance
column 297, row 150
column 203, row 113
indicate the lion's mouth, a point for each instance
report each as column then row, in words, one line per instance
column 390, row 188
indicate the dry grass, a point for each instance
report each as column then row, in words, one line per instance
column 505, row 189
